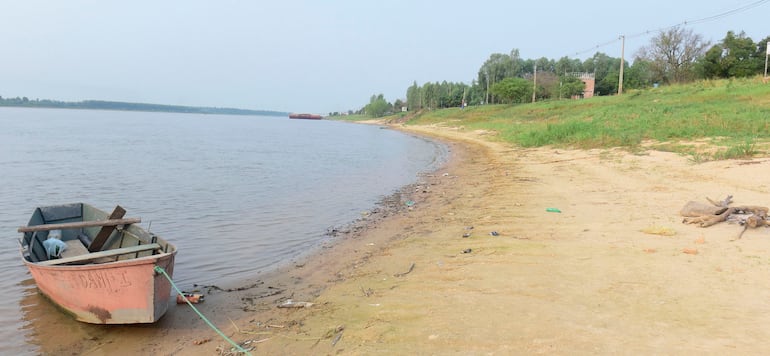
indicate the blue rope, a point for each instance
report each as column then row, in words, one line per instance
column 237, row 346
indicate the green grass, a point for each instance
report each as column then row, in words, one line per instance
column 357, row 117
column 733, row 116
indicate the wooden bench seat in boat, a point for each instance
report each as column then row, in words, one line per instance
column 101, row 254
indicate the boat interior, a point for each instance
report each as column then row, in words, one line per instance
column 87, row 235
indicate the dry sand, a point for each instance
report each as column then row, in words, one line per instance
column 587, row 280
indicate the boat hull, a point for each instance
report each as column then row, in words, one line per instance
column 124, row 292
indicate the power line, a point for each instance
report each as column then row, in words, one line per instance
column 727, row 13
column 684, row 23
column 597, row 46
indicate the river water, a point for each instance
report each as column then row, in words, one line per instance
column 237, row 195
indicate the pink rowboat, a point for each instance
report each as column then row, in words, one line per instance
column 101, row 269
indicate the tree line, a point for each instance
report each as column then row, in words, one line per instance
column 118, row 105
column 676, row 55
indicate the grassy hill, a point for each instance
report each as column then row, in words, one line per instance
column 708, row 120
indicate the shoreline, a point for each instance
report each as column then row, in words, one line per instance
column 302, row 277
column 586, row 280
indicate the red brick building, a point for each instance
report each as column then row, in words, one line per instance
column 590, row 81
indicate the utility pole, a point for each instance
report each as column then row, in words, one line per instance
column 767, row 53
column 486, row 100
column 622, row 64
column 534, row 88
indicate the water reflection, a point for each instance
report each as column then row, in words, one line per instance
column 47, row 328
column 50, row 330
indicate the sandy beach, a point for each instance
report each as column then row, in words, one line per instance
column 471, row 261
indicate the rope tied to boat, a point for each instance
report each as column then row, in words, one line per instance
column 240, row 348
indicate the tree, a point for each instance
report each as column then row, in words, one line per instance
column 606, row 70
column 545, row 65
column 638, row 75
column 430, row 96
column 414, row 97
column 475, row 94
column 547, row 84
column 566, row 65
column 673, row 54
column 498, row 67
column 710, row 66
column 377, row 106
column 740, row 56
column 398, row 104
column 571, row 86
column 513, row 90
column 435, row 95
column 735, row 56
column 762, row 49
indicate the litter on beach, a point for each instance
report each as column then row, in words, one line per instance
column 292, row 304
column 194, row 298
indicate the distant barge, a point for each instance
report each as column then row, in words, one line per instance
column 305, row 116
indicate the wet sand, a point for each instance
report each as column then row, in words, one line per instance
column 585, row 280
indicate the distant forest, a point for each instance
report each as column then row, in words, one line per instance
column 117, row 105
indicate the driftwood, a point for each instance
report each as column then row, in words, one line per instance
column 705, row 215
column 411, row 268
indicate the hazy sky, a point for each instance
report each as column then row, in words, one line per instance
column 311, row 56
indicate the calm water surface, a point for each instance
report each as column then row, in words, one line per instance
column 237, row 195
